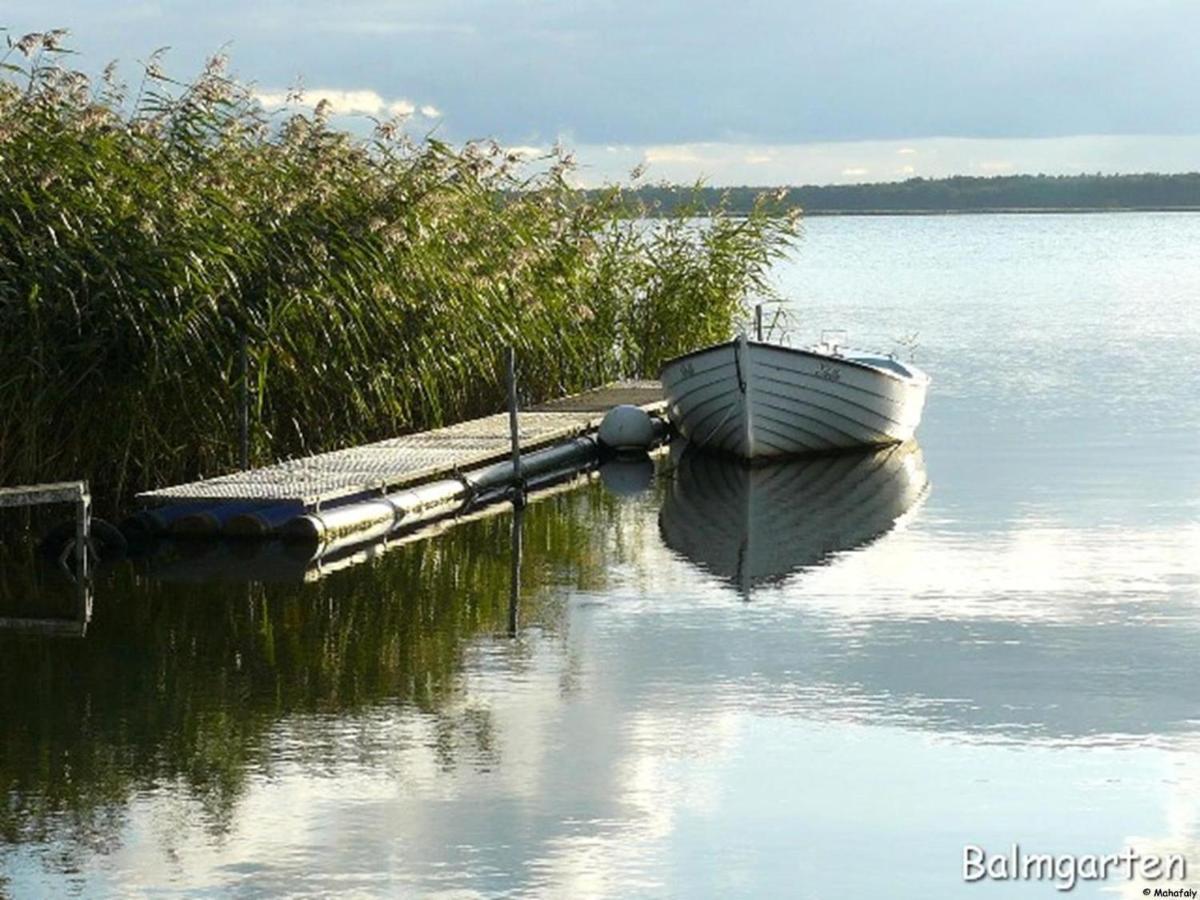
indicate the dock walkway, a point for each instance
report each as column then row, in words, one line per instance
column 414, row 458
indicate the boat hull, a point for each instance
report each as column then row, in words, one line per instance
column 754, row 400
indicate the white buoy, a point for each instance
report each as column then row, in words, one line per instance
column 627, row 428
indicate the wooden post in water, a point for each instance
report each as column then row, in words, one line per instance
column 514, row 429
column 244, row 400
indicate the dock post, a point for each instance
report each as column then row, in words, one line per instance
column 83, row 529
column 244, row 400
column 513, row 428
column 758, row 322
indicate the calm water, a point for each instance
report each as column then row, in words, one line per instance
column 995, row 639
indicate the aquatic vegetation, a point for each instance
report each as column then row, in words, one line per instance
column 376, row 281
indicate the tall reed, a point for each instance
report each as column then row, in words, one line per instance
column 377, row 280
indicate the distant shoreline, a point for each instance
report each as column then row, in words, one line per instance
column 958, row 195
column 997, row 211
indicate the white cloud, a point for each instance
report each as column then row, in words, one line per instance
column 381, row 28
column 526, row 151
column 675, row 153
column 430, row 111
column 342, row 102
column 826, row 163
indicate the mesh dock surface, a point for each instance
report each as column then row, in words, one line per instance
column 412, row 458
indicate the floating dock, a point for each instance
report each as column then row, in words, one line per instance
column 365, row 492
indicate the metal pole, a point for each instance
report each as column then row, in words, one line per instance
column 758, row 321
column 83, row 530
column 513, row 428
column 244, row 412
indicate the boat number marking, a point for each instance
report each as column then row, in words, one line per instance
column 828, row 372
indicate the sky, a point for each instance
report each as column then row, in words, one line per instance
column 756, row 92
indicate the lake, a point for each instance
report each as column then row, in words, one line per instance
column 990, row 640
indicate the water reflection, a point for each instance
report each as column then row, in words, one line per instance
column 514, row 703
column 754, row 525
column 41, row 597
column 1016, row 663
column 628, row 477
column 181, row 684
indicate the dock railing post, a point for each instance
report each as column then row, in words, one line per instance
column 758, row 322
column 513, row 427
column 83, row 529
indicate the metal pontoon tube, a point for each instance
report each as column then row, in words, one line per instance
column 158, row 519
column 577, row 450
column 262, row 522
column 209, row 522
column 363, row 521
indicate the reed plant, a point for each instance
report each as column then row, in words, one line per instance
column 146, row 232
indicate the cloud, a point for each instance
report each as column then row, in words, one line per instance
column 675, row 153
column 430, row 111
column 526, row 151
column 344, row 103
column 736, row 163
column 907, row 151
column 512, row 69
column 380, row 28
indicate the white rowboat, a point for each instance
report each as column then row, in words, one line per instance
column 754, row 400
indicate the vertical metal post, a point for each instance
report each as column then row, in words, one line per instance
column 244, row 399
column 83, row 530
column 514, row 429
column 758, row 328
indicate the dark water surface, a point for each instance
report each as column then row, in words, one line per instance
column 814, row 681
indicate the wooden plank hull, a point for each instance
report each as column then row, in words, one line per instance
column 754, row 400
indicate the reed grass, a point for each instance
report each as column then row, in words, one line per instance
column 378, row 280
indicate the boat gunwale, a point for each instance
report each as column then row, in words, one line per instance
column 915, row 379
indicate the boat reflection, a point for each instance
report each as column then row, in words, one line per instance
column 755, row 525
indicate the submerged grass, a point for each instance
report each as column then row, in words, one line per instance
column 376, row 280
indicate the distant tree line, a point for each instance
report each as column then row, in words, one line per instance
column 961, row 193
